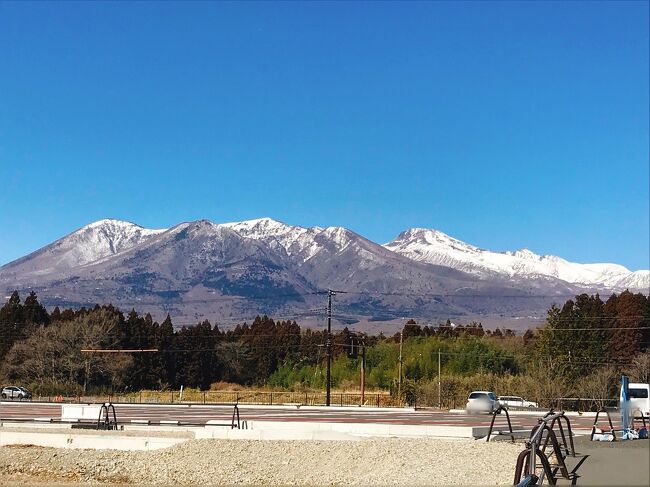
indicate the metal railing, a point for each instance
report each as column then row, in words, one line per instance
column 421, row 400
column 263, row 398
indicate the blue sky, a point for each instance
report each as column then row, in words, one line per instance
column 507, row 125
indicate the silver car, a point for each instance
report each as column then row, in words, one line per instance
column 481, row 402
column 15, row 392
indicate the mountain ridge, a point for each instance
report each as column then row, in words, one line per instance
column 200, row 267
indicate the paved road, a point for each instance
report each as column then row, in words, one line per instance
column 200, row 414
column 614, row 463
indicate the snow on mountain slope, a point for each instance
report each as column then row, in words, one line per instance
column 190, row 268
column 101, row 239
column 298, row 242
column 89, row 244
column 322, row 256
column 434, row 247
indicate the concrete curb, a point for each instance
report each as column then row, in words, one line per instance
column 223, row 405
column 369, row 409
column 95, row 442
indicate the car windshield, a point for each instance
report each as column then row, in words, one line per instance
column 638, row 393
column 478, row 395
column 492, row 395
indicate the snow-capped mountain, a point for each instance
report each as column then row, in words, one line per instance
column 89, row 244
column 437, row 248
column 200, row 268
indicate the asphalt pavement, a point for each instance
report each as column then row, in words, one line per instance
column 201, row 413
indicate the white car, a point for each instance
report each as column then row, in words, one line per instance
column 516, row 401
column 481, row 402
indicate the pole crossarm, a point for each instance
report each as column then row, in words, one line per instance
column 103, row 350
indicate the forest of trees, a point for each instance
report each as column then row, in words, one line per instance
column 581, row 350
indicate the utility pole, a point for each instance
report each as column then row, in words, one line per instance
column 363, row 371
column 399, row 381
column 328, row 347
column 439, row 388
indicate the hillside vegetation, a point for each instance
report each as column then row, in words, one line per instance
column 580, row 352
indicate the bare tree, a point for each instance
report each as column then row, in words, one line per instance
column 639, row 369
column 54, row 354
column 599, row 386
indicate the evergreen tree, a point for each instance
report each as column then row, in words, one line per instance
column 34, row 312
column 165, row 346
column 12, row 323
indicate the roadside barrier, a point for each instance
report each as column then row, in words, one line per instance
column 536, row 448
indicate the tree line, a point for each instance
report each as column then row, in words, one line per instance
column 585, row 341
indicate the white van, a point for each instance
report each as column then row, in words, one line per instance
column 639, row 398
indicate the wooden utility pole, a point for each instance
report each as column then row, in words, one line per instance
column 439, row 395
column 328, row 347
column 399, row 380
column 363, row 371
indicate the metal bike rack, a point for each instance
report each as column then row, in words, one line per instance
column 105, row 421
column 510, row 432
column 235, row 412
column 536, row 450
column 635, row 417
column 609, row 420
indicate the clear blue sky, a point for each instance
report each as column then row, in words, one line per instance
column 507, row 125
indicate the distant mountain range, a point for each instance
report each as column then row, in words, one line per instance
column 232, row 271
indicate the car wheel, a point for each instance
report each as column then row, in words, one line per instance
column 4, row 396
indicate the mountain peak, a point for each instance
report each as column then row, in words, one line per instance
column 421, row 239
column 524, row 253
column 104, row 222
column 437, row 248
column 259, row 227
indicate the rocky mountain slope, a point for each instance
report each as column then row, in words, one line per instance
column 236, row 270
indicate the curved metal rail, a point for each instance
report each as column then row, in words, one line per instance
column 501, row 432
column 536, row 447
column 105, row 421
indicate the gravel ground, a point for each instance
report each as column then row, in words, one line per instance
column 384, row 461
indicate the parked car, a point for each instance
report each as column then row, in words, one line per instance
column 481, row 402
column 516, row 401
column 15, row 392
